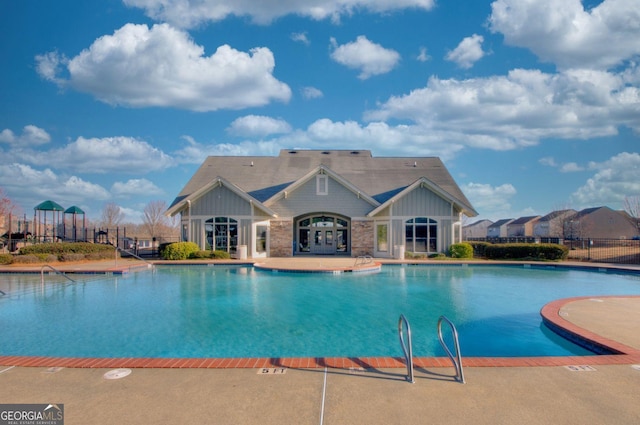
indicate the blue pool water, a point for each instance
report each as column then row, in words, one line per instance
column 230, row 311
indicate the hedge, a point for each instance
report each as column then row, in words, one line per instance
column 219, row 255
column 179, row 250
column 461, row 250
column 6, row 259
column 526, row 251
column 67, row 248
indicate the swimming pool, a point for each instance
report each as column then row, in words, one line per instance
column 232, row 311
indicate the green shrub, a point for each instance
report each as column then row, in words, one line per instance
column 408, row 255
column 461, row 250
column 71, row 256
column 221, row 255
column 524, row 251
column 437, row 256
column 35, row 258
column 179, row 250
column 66, row 248
column 479, row 248
column 6, row 259
column 201, row 255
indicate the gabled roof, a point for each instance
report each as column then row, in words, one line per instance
column 424, row 182
column 501, row 222
column 218, row 181
column 525, row 220
column 377, row 178
column 485, row 221
column 558, row 213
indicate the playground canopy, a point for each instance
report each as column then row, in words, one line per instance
column 41, row 211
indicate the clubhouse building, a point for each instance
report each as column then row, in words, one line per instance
column 313, row 202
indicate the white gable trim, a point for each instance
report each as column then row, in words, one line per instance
column 428, row 184
column 311, row 175
column 219, row 182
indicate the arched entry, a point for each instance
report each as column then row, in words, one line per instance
column 323, row 234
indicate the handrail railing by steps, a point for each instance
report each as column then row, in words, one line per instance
column 457, row 359
column 47, row 266
column 406, row 346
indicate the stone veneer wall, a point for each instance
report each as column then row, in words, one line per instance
column 361, row 237
column 281, row 238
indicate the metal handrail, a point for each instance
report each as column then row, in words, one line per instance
column 149, row 265
column 406, row 346
column 54, row 270
column 363, row 259
column 457, row 359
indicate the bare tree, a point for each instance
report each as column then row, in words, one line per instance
column 155, row 222
column 112, row 215
column 7, row 207
column 631, row 206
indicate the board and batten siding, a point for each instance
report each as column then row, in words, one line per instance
column 304, row 200
column 219, row 202
column 422, row 202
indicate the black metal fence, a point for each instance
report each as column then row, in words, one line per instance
column 600, row 250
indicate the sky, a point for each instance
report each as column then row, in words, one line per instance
column 532, row 105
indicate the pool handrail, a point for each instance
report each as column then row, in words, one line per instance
column 47, row 266
column 457, row 359
column 149, row 265
column 406, row 346
column 362, row 260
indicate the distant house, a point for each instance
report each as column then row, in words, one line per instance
column 600, row 222
column 522, row 226
column 552, row 225
column 476, row 230
column 499, row 228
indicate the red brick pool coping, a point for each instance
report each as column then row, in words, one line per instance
column 550, row 313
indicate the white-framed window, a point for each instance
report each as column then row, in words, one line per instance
column 322, row 184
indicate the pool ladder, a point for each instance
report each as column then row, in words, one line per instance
column 456, row 359
column 54, row 270
column 362, row 260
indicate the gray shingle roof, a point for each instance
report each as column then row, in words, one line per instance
column 379, row 177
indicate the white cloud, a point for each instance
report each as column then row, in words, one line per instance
column 564, row 33
column 256, row 125
column 135, row 187
column 195, row 152
column 104, row 155
column 615, row 178
column 370, row 58
column 31, row 136
column 311, row 93
column 519, row 109
column 423, row 56
column 163, row 67
column 468, row 52
column 493, row 201
column 548, row 161
column 570, row 167
column 29, row 186
column 190, row 13
column 300, row 37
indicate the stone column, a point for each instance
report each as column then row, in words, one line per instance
column 281, row 238
column 361, row 237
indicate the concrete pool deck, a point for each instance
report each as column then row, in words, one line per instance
column 591, row 389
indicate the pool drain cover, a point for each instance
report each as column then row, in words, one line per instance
column 117, row 373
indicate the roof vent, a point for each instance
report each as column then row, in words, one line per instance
column 293, row 152
column 355, row 153
column 326, row 153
